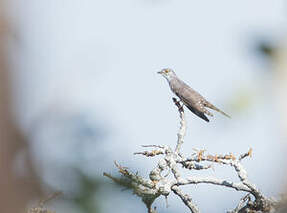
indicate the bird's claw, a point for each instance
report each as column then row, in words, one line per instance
column 178, row 104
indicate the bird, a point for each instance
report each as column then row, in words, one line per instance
column 195, row 102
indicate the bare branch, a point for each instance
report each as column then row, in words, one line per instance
column 212, row 180
column 40, row 208
column 247, row 154
column 232, row 161
column 186, row 199
column 182, row 131
column 51, row 197
column 134, row 177
column 156, row 146
column 196, row 166
column 166, row 177
column 241, row 205
column 150, row 153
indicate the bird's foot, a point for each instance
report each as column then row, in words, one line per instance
column 178, row 104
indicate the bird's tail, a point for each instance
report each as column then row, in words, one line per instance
column 209, row 105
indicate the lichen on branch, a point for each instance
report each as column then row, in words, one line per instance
column 166, row 177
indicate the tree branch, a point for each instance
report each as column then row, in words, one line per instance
column 186, row 199
column 159, row 184
column 182, row 130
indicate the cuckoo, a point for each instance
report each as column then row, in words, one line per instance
column 195, row 102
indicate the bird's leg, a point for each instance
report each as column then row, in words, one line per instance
column 181, row 108
column 178, row 104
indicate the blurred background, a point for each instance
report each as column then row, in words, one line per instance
column 79, row 89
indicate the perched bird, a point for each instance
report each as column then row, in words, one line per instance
column 189, row 97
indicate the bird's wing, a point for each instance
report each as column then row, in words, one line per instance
column 187, row 97
column 198, row 113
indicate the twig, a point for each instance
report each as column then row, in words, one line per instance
column 241, row 204
column 133, row 177
column 160, row 181
column 150, row 154
column 247, row 154
column 182, row 130
column 213, row 180
column 156, row 146
column 40, row 208
column 51, row 197
column 186, row 199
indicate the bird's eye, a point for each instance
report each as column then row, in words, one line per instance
column 166, row 71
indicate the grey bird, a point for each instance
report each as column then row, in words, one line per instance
column 189, row 97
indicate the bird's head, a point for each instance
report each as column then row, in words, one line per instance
column 167, row 73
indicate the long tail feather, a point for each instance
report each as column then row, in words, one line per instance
column 223, row 113
column 209, row 105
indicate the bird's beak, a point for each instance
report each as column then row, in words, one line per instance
column 160, row 72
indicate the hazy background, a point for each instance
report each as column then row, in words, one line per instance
column 85, row 93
